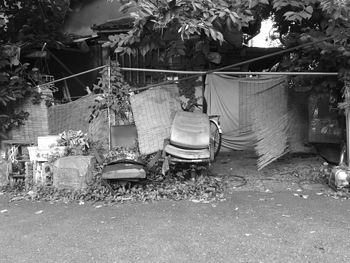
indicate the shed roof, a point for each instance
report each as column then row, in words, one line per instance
column 119, row 25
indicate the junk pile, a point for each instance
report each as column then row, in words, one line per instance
column 13, row 161
column 338, row 178
column 206, row 189
column 153, row 111
column 123, row 162
column 40, row 155
column 48, row 163
column 133, row 152
column 160, row 126
column 78, row 179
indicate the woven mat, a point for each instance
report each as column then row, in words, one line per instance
column 154, row 111
column 98, row 129
column 271, row 121
column 71, row 116
column 264, row 90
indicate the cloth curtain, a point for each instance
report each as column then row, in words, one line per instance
column 234, row 100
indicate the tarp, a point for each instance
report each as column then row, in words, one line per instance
column 234, row 100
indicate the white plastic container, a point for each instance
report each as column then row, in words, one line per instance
column 45, row 142
column 44, row 154
column 33, row 151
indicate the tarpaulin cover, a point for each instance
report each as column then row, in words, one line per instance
column 234, row 100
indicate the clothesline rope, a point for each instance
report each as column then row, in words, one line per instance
column 199, row 73
column 217, row 71
column 230, row 72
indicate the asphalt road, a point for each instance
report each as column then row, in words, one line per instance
column 247, row 227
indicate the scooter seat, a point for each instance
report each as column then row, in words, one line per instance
column 124, row 169
column 190, row 130
column 189, row 154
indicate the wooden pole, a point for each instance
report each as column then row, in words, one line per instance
column 108, row 108
column 347, row 116
column 73, row 76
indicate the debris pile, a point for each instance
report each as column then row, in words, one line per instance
column 204, row 189
column 331, row 176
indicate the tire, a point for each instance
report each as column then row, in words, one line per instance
column 215, row 136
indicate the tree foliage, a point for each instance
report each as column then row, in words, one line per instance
column 33, row 22
column 299, row 22
column 188, row 27
column 167, row 24
column 114, row 95
column 24, row 25
column 16, row 83
column 172, row 23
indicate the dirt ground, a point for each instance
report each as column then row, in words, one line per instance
column 292, row 172
column 278, row 216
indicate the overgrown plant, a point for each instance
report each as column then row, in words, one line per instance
column 113, row 95
column 121, row 153
column 77, row 142
column 33, row 22
column 24, row 25
column 170, row 24
column 187, row 89
column 16, row 83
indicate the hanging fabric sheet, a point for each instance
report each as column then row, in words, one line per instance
column 235, row 100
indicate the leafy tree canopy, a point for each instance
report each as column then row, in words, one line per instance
column 32, row 22
column 24, row 24
column 170, row 24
